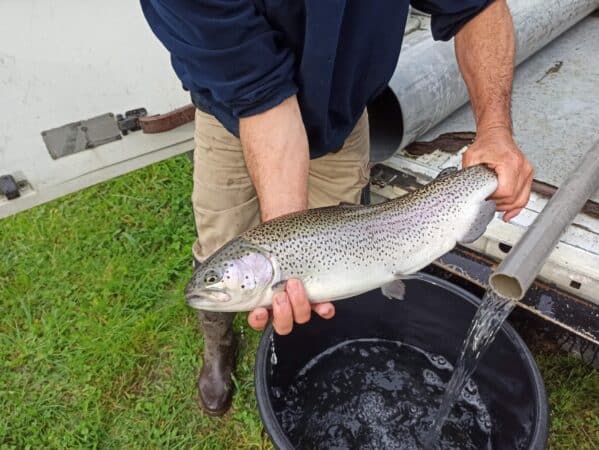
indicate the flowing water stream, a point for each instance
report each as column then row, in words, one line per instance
column 485, row 325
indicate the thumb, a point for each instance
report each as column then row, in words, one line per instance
column 258, row 318
column 471, row 157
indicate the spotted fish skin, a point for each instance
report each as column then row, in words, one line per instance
column 344, row 250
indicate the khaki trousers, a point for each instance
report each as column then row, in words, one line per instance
column 224, row 200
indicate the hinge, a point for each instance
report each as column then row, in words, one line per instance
column 11, row 188
column 83, row 135
column 130, row 120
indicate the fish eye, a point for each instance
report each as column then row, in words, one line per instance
column 211, row 277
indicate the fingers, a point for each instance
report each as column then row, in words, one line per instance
column 518, row 188
column 289, row 306
column 508, row 185
column 512, row 210
column 472, row 158
column 258, row 318
column 299, row 301
column 324, row 310
column 511, row 214
column 282, row 314
column 498, row 151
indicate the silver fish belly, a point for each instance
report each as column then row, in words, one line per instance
column 342, row 251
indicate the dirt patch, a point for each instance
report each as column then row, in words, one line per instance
column 553, row 69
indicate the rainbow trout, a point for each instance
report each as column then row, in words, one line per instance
column 345, row 250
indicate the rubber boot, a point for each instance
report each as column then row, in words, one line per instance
column 214, row 384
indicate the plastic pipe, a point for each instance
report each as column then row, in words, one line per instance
column 427, row 82
column 519, row 269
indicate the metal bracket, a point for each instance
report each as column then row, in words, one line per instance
column 130, row 120
column 83, row 135
column 13, row 186
column 159, row 123
column 9, row 187
column 382, row 176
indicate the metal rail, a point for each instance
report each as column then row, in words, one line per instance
column 519, row 269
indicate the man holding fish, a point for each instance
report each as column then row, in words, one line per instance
column 281, row 88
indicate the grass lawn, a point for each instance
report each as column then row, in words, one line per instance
column 98, row 349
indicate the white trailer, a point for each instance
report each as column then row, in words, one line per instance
column 69, row 68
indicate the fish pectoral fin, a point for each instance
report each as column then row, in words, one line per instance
column 279, row 286
column 446, row 172
column 396, row 289
column 480, row 223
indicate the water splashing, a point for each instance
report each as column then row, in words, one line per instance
column 273, row 353
column 487, row 321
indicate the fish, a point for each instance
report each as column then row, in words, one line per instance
column 345, row 250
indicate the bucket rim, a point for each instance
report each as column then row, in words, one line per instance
column 279, row 438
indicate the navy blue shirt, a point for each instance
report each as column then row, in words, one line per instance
column 242, row 57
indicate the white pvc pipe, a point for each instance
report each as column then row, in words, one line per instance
column 427, row 82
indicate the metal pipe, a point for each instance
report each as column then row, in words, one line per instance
column 519, row 269
column 427, row 81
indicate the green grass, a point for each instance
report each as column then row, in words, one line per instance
column 573, row 390
column 98, row 349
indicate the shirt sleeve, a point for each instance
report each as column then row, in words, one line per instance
column 226, row 47
column 448, row 16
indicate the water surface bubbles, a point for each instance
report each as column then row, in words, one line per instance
column 484, row 421
column 432, row 378
column 385, row 398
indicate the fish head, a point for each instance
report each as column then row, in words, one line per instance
column 235, row 278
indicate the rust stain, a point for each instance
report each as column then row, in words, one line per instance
column 546, row 190
column 446, row 142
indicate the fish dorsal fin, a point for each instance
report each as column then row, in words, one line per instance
column 396, row 289
column 446, row 172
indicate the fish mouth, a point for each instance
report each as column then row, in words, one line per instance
column 208, row 299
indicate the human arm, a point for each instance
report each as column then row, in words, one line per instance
column 228, row 51
column 275, row 147
column 484, row 45
column 485, row 53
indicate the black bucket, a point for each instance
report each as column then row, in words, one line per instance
column 433, row 317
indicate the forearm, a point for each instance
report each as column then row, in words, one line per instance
column 485, row 53
column 275, row 148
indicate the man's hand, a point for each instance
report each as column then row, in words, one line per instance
column 289, row 306
column 275, row 148
column 485, row 52
column 497, row 150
